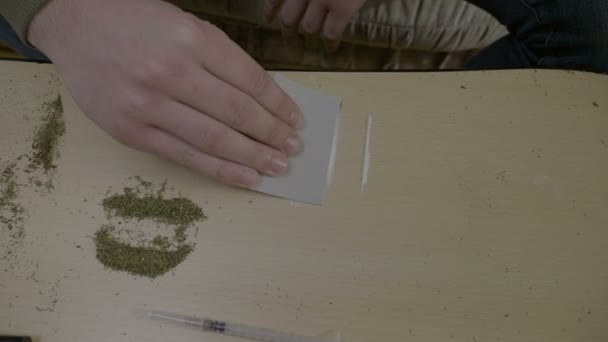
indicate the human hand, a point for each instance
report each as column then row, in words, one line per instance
column 327, row 18
column 162, row 81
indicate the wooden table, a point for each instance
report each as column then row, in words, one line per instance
column 485, row 218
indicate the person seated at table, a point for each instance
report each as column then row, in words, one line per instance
column 165, row 82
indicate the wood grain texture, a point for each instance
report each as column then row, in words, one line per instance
column 485, row 218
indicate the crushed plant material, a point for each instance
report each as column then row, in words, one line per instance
column 133, row 205
column 124, row 249
column 27, row 173
column 148, row 261
column 11, row 211
column 47, row 136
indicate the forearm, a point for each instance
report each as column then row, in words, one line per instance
column 19, row 13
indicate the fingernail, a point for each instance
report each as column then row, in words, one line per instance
column 292, row 145
column 296, row 120
column 249, row 178
column 278, row 166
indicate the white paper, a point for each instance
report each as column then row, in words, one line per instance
column 366, row 153
column 310, row 170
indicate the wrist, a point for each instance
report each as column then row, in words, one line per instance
column 46, row 27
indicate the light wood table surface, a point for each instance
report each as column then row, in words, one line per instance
column 485, row 218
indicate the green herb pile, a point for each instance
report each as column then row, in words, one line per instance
column 146, row 257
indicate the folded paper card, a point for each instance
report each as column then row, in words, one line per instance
column 310, row 170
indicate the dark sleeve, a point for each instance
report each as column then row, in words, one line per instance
column 19, row 13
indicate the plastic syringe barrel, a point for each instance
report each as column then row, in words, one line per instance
column 259, row 334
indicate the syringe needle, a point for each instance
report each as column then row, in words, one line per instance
column 169, row 317
column 237, row 330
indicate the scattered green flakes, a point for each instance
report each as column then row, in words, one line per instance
column 8, row 185
column 174, row 211
column 46, row 137
column 151, row 261
column 12, row 213
column 144, row 184
column 23, row 173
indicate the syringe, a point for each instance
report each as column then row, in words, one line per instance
column 237, row 330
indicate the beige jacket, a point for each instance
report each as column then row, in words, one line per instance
column 386, row 34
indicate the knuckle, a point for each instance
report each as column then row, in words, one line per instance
column 189, row 29
column 186, row 157
column 139, row 102
column 224, row 173
column 162, row 68
column 277, row 135
column 125, row 133
column 260, row 83
column 260, row 159
column 284, row 107
column 200, row 32
column 238, row 113
column 207, row 28
column 148, row 69
column 210, row 140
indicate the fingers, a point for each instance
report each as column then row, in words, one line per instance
column 236, row 109
column 312, row 23
column 291, row 14
column 172, row 148
column 271, row 8
column 216, row 139
column 333, row 29
column 229, row 63
column 328, row 17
